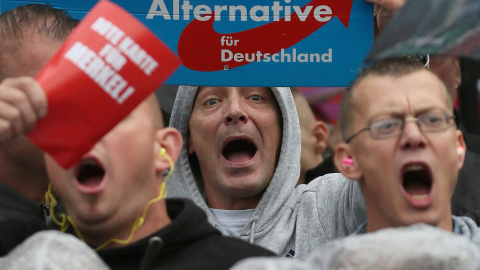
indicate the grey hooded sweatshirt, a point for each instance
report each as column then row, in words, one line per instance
column 291, row 221
column 417, row 246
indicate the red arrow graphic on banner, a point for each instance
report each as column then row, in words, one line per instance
column 199, row 46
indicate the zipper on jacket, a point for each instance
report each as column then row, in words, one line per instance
column 252, row 231
column 46, row 209
column 154, row 245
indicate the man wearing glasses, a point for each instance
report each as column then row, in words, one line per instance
column 402, row 145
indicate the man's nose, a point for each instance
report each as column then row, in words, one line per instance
column 235, row 112
column 412, row 136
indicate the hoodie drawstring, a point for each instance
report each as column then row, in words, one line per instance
column 154, row 245
column 252, row 231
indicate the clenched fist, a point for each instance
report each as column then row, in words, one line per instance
column 22, row 103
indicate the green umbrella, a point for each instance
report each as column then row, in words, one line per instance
column 431, row 27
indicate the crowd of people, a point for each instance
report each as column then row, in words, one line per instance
column 236, row 163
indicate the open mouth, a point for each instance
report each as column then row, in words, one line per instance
column 239, row 151
column 417, row 181
column 90, row 173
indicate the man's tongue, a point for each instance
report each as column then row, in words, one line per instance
column 415, row 188
column 90, row 174
column 91, row 181
column 238, row 156
column 417, row 181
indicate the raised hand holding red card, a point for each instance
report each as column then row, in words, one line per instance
column 107, row 66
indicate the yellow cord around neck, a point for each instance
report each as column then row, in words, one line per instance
column 66, row 220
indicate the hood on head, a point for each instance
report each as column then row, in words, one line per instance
column 186, row 180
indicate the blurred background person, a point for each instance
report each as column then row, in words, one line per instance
column 314, row 136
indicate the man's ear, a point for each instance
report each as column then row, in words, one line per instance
column 461, row 149
column 171, row 140
column 320, row 131
column 346, row 163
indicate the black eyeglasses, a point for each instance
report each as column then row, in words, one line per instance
column 429, row 121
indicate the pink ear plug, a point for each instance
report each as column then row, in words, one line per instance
column 348, row 161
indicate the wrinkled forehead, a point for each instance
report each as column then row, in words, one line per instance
column 202, row 90
column 417, row 91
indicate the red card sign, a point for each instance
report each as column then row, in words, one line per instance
column 108, row 65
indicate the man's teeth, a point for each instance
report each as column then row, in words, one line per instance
column 89, row 162
column 419, row 197
column 414, row 168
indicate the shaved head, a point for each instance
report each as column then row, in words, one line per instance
column 155, row 112
column 29, row 35
column 392, row 67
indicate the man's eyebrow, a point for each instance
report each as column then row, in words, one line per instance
column 429, row 109
column 393, row 113
column 388, row 113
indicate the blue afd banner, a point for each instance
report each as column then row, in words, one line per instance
column 253, row 43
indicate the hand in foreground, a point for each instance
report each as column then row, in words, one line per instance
column 385, row 9
column 22, row 103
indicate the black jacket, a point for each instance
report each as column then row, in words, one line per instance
column 19, row 218
column 475, row 215
column 10, row 200
column 188, row 242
